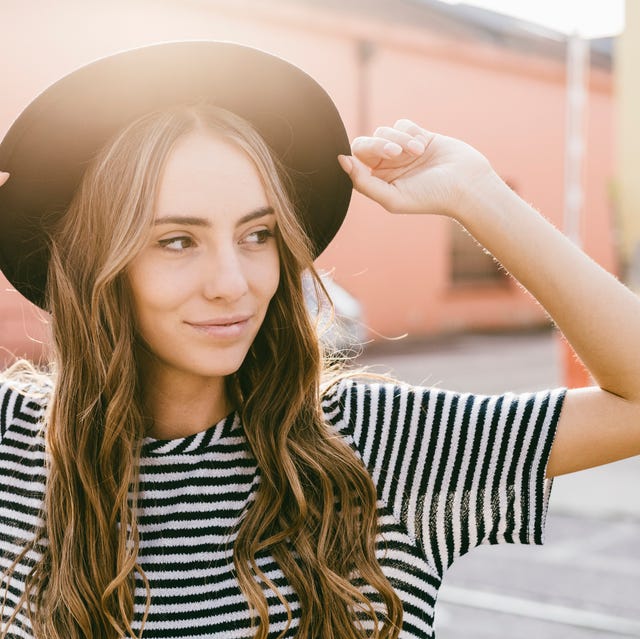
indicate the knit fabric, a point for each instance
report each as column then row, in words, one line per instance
column 451, row 470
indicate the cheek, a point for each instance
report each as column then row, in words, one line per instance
column 152, row 293
column 272, row 277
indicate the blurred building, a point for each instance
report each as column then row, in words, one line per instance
column 494, row 81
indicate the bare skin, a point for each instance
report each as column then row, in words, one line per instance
column 202, row 285
column 408, row 169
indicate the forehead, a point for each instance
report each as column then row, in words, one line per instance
column 207, row 174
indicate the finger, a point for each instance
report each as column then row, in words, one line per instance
column 372, row 151
column 3, row 177
column 413, row 129
column 367, row 184
column 414, row 145
column 409, row 127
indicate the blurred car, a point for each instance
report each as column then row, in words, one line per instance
column 337, row 315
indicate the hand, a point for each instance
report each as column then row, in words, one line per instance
column 3, row 177
column 408, row 169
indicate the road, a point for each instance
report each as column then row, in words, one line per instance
column 585, row 582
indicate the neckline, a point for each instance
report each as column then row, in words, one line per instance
column 194, row 443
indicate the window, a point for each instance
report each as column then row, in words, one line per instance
column 470, row 263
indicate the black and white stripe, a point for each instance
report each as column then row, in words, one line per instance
column 452, row 471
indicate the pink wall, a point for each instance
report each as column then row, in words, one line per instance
column 510, row 106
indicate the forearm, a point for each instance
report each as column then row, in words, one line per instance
column 598, row 315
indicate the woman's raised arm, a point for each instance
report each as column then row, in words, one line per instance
column 410, row 170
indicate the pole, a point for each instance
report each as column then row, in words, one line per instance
column 575, row 134
column 574, row 372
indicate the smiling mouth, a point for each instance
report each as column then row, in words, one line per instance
column 223, row 321
column 223, row 328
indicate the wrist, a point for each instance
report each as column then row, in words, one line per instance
column 480, row 196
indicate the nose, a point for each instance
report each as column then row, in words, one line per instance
column 223, row 275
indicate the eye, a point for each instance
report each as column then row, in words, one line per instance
column 261, row 236
column 176, row 244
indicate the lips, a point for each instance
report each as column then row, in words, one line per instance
column 222, row 327
column 222, row 321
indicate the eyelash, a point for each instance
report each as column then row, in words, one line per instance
column 262, row 237
column 170, row 240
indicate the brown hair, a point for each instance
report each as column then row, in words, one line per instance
column 315, row 501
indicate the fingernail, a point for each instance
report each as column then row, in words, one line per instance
column 391, row 149
column 415, row 146
column 4, row 174
column 346, row 163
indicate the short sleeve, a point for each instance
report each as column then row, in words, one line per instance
column 457, row 470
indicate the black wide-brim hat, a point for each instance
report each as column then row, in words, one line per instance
column 50, row 144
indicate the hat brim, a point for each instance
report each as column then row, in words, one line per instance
column 48, row 147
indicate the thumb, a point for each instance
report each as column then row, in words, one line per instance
column 365, row 183
column 3, row 177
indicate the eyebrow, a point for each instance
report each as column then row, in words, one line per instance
column 192, row 220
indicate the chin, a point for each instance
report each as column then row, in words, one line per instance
column 220, row 368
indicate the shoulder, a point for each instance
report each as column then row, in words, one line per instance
column 351, row 404
column 23, row 402
column 351, row 397
column 352, row 394
column 342, row 397
column 370, row 411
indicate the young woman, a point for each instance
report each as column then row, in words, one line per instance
column 189, row 468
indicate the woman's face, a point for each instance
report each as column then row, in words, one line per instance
column 202, row 284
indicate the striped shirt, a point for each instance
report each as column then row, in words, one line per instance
column 451, row 471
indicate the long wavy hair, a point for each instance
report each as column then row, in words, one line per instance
column 315, row 508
